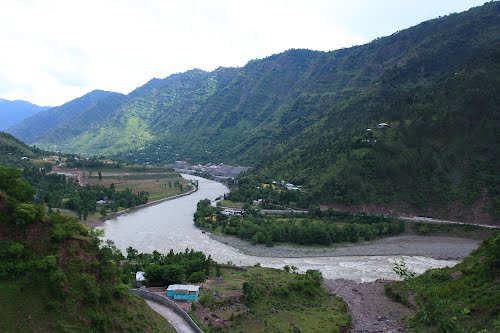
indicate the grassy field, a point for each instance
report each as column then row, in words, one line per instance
column 231, row 204
column 29, row 309
column 159, row 185
column 255, row 299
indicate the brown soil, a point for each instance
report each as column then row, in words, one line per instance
column 371, row 310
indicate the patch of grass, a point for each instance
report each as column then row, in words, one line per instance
column 231, row 204
column 30, row 309
column 158, row 185
column 256, row 299
column 24, row 310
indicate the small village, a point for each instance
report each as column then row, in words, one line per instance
column 219, row 172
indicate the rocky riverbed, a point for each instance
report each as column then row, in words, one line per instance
column 437, row 247
column 371, row 310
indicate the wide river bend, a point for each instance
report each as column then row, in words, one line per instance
column 169, row 225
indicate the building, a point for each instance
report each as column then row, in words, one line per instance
column 183, row 292
column 231, row 211
column 139, row 279
column 383, row 125
column 257, row 202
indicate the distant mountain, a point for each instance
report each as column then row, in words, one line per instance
column 70, row 119
column 303, row 116
column 13, row 112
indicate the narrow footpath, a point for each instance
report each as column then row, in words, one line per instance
column 173, row 318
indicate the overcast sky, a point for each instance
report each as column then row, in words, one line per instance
column 53, row 51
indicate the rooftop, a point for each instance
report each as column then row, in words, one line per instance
column 187, row 287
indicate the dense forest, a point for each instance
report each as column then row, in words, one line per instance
column 312, row 118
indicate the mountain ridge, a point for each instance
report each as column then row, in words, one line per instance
column 13, row 112
column 301, row 115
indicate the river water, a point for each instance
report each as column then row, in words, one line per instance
column 169, row 225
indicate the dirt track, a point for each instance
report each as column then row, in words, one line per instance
column 371, row 310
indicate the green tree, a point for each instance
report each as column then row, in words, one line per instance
column 173, row 274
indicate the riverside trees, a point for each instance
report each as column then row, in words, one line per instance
column 324, row 229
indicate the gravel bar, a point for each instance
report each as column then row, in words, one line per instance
column 437, row 247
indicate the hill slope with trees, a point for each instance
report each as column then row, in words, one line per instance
column 302, row 116
column 70, row 119
column 55, row 276
column 14, row 152
column 13, row 112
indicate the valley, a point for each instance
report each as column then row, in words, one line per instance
column 342, row 190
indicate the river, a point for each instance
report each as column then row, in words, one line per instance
column 169, row 225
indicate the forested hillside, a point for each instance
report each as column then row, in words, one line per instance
column 70, row 119
column 13, row 112
column 14, row 152
column 55, row 276
column 303, row 116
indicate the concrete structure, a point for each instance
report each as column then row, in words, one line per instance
column 171, row 304
column 231, row 211
column 184, row 292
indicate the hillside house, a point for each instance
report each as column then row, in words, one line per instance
column 139, row 279
column 184, row 292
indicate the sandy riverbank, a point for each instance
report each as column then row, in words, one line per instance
column 91, row 224
column 436, row 247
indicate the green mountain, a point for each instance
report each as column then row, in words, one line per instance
column 62, row 122
column 13, row 112
column 12, row 151
column 302, row 116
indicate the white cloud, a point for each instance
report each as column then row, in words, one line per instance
column 56, row 50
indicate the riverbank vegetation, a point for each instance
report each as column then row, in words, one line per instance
column 320, row 229
column 255, row 299
column 173, row 268
column 90, row 193
column 463, row 298
column 58, row 191
column 450, row 230
column 56, row 276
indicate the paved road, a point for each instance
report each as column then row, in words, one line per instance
column 173, row 318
